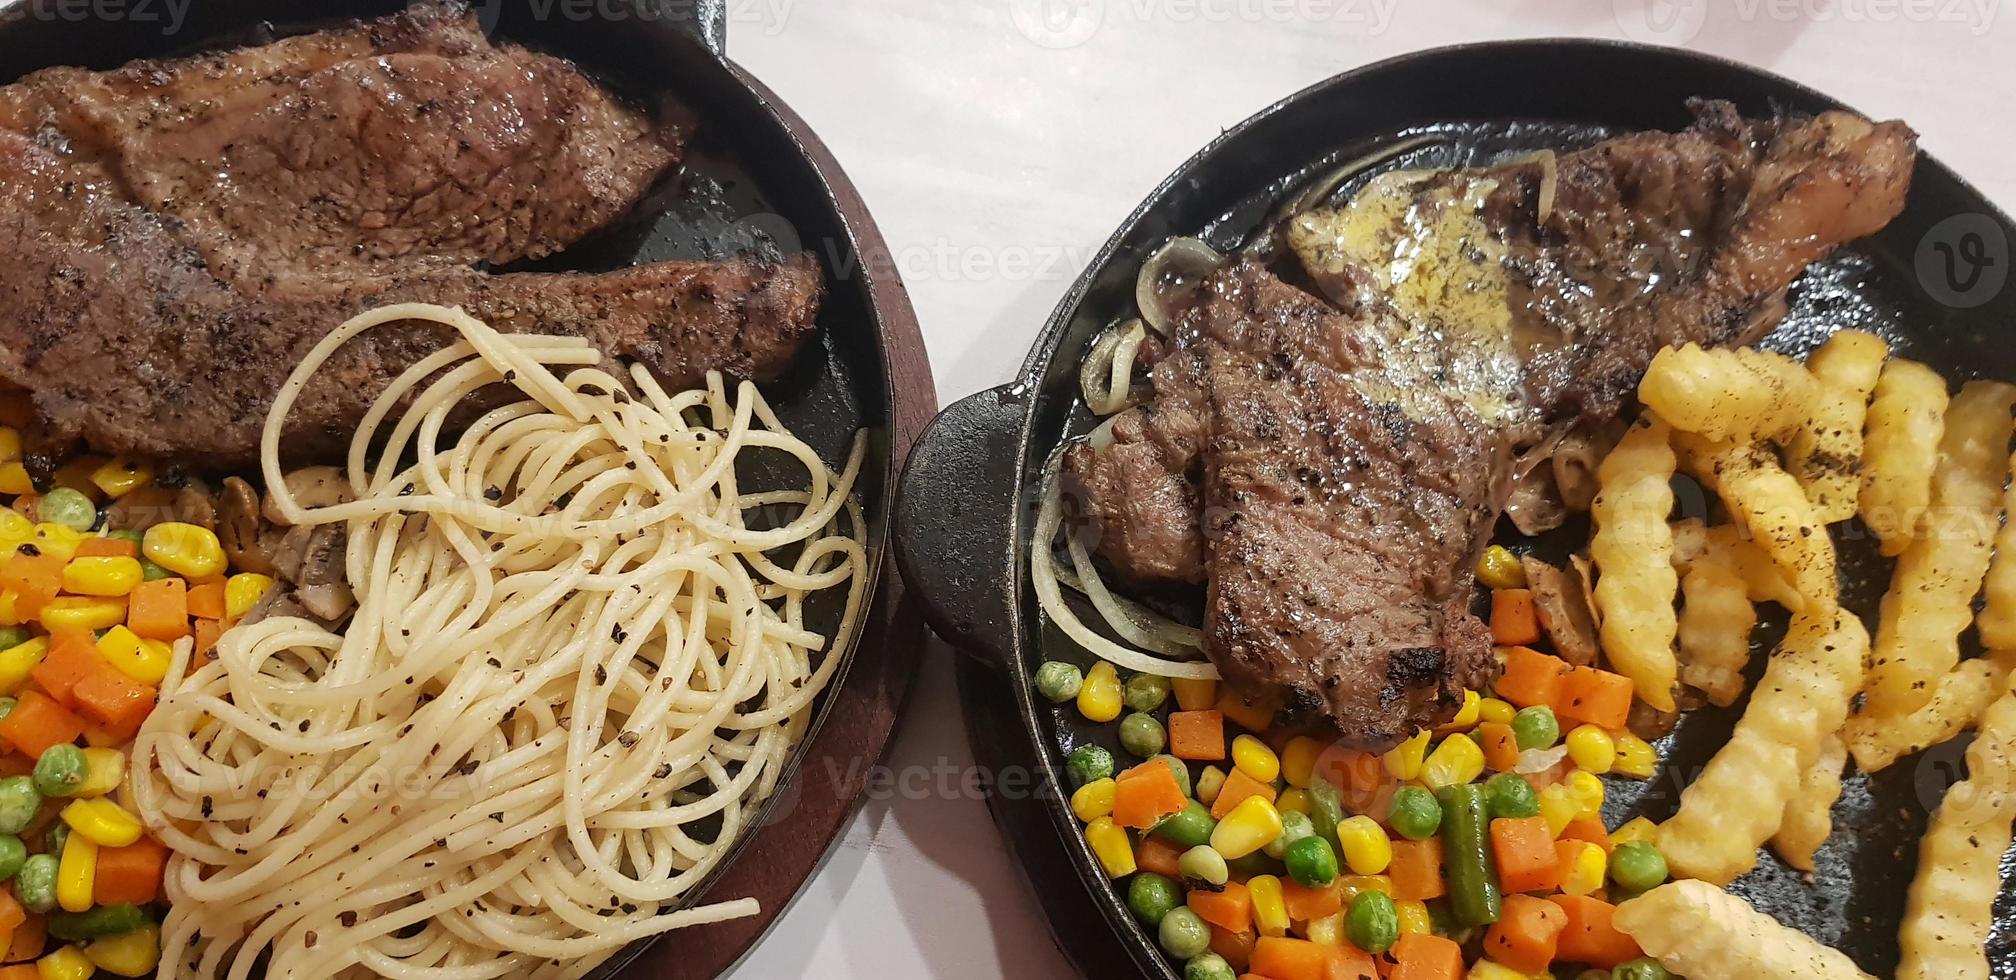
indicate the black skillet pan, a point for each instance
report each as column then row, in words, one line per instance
column 1932, row 283
column 755, row 179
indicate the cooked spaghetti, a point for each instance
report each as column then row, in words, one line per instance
column 578, row 663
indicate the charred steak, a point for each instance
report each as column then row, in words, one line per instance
column 1330, row 467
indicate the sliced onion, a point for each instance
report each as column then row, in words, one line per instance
column 1137, row 624
column 1169, row 276
column 1540, row 760
column 1107, row 376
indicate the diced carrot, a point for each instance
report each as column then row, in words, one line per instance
column 11, row 912
column 1527, row 934
column 1282, row 958
column 73, row 656
column 1237, row 789
column 96, row 547
column 1198, row 735
column 114, row 700
column 1419, row 956
column 207, row 632
column 159, row 610
column 1597, row 697
column 131, row 873
column 34, row 580
column 1525, row 852
column 1349, row 963
column 1590, row 938
column 1416, row 870
column 38, row 722
column 1148, row 793
column 15, row 764
column 1588, row 829
column 1236, row 945
column 1160, row 857
column 1230, row 909
column 30, row 939
column 1513, row 621
column 1501, row 746
column 19, row 971
column 1307, row 904
column 206, row 601
column 1531, row 677
column 1253, row 713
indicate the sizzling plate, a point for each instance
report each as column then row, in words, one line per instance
column 970, row 491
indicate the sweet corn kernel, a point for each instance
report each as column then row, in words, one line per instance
column 1251, row 825
column 10, row 444
column 78, row 612
column 120, row 477
column 1352, row 886
column 1298, row 760
column 14, row 528
column 1209, row 782
column 1270, row 906
column 1326, row 931
column 66, row 963
column 103, row 769
column 8, row 616
column 14, row 478
column 1635, row 757
column 75, row 872
column 1367, row 849
column 1487, row 970
column 1558, row 808
column 1100, row 696
column 1585, row 870
column 1094, row 800
column 76, row 474
column 102, row 821
column 1587, row 791
column 1403, row 762
column 1458, row 760
column 1592, row 749
column 101, row 576
column 55, row 539
column 1194, row 695
column 1414, row 918
column 1637, row 831
column 128, row 954
column 1111, row 846
column 1293, row 801
column 16, row 661
column 1495, row 711
column 191, row 550
column 1499, row 568
column 142, row 659
column 1466, row 716
column 243, row 591
column 1252, row 757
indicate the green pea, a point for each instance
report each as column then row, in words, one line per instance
column 1203, row 867
column 1311, row 862
column 60, row 770
column 12, row 636
column 1373, row 923
column 1183, row 934
column 1638, row 866
column 18, row 804
column 12, row 854
column 1180, row 769
column 69, row 508
column 1643, row 968
column 1150, row 897
column 1187, row 827
column 1256, row 863
column 55, row 837
column 1536, row 728
column 1146, row 692
column 7, row 706
column 1056, row 681
column 35, row 885
column 1415, row 814
column 1294, row 827
column 1142, row 735
column 1511, row 796
column 1089, row 764
column 150, row 572
column 1209, row 966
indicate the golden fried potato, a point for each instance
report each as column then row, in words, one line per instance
column 1900, row 448
column 1633, row 549
column 1824, row 452
column 1742, row 395
column 1879, row 739
column 1952, row 902
column 1700, row 931
column 1809, row 818
column 1775, row 509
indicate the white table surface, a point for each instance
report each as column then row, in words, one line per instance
column 998, row 159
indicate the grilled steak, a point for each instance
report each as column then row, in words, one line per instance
column 1356, row 450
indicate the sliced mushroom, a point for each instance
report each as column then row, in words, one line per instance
column 311, row 559
column 194, row 505
column 310, row 486
column 249, row 540
column 1535, row 504
column 1564, row 611
column 1169, row 277
column 141, row 509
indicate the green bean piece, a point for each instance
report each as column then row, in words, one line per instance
column 1536, row 728
column 35, row 885
column 69, row 508
column 1373, row 924
column 1141, row 735
column 1643, row 968
column 1326, row 810
column 1209, row 966
column 12, row 636
column 7, row 706
column 1187, row 827
column 60, row 770
column 1145, row 692
column 1184, row 934
column 1311, row 862
column 1415, row 815
column 1090, row 764
column 1638, row 866
column 150, row 572
column 1058, row 682
column 13, row 854
column 1512, row 796
column 19, row 802
column 1473, row 877
column 105, row 920
column 1294, row 827
column 1151, row 896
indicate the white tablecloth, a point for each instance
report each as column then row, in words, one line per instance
column 999, row 142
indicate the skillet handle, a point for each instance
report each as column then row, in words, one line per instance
column 953, row 509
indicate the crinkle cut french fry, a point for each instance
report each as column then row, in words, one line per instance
column 1997, row 621
column 1739, row 800
column 1931, row 597
column 1744, row 395
column 1878, row 740
column 1774, row 508
column 1900, row 448
column 1733, row 546
column 1809, row 818
column 1715, row 626
column 1700, row 931
column 1824, row 453
column 1633, row 549
column 1952, row 902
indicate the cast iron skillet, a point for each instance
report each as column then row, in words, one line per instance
column 1932, row 282
column 755, row 180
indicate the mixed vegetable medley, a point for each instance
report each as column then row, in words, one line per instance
column 1477, row 850
column 88, row 614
